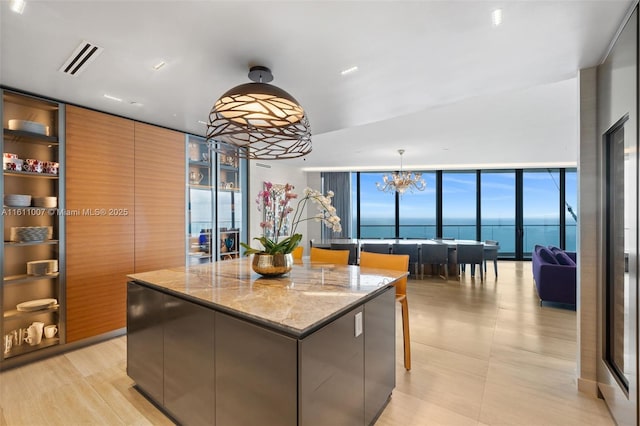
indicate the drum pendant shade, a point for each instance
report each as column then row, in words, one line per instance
column 259, row 120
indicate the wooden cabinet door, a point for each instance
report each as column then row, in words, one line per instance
column 100, row 221
column 159, row 198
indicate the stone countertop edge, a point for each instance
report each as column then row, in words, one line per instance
column 385, row 279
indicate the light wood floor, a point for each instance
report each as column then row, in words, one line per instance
column 483, row 354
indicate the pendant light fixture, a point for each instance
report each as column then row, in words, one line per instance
column 259, row 120
column 401, row 181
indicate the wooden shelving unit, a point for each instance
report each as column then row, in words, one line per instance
column 200, row 201
column 215, row 186
column 17, row 286
column 230, row 182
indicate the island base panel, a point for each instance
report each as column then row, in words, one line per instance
column 189, row 375
column 202, row 366
column 380, row 353
column 256, row 375
column 331, row 374
column 145, row 334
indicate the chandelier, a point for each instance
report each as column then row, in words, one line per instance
column 259, row 121
column 401, row 181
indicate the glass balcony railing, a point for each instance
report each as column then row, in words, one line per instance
column 459, row 232
column 543, row 234
column 417, row 231
column 377, row 231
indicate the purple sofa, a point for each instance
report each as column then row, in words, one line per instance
column 554, row 272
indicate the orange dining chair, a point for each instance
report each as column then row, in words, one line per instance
column 353, row 251
column 396, row 262
column 337, row 257
column 297, row 253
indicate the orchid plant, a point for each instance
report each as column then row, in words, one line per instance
column 275, row 202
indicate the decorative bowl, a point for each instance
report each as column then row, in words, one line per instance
column 17, row 200
column 272, row 265
column 47, row 202
column 30, row 234
column 42, row 267
column 28, row 126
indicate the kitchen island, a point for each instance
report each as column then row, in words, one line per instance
column 218, row 344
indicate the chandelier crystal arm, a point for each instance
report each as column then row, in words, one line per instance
column 402, row 181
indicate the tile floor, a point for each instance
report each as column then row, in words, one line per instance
column 482, row 354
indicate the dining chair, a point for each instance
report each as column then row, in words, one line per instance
column 384, row 248
column 436, row 254
column 297, row 253
column 396, row 262
column 351, row 247
column 413, row 250
column 472, row 254
column 491, row 248
column 338, row 257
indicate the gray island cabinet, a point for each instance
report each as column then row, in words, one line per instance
column 215, row 344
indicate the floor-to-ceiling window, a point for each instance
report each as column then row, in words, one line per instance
column 540, row 208
column 377, row 208
column 498, row 209
column 459, row 205
column 354, row 205
column 417, row 211
column 518, row 208
column 571, row 215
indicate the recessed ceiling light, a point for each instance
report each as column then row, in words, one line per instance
column 159, row 65
column 349, row 70
column 496, row 17
column 202, row 122
column 18, row 6
column 113, row 98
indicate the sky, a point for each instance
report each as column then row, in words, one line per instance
column 540, row 199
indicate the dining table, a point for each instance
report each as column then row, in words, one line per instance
column 451, row 243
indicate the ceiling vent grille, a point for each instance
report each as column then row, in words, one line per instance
column 84, row 54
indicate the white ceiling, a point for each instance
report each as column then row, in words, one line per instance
column 435, row 77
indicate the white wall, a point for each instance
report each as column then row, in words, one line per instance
column 278, row 172
column 314, row 228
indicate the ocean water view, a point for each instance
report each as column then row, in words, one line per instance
column 543, row 231
column 460, row 194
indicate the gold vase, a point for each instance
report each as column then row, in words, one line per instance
column 272, row 265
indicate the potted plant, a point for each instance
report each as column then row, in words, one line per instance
column 279, row 237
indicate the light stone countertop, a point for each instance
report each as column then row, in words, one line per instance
column 309, row 296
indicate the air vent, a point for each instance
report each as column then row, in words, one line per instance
column 80, row 58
